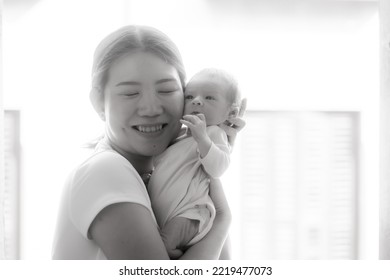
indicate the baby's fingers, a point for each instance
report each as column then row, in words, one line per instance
column 201, row 117
column 187, row 123
column 193, row 118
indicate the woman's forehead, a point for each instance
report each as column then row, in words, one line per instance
column 141, row 67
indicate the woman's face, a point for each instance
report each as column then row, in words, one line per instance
column 143, row 103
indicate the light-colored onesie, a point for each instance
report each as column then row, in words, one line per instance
column 179, row 185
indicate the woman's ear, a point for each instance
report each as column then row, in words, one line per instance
column 97, row 100
column 102, row 116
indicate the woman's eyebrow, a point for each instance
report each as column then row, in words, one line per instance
column 128, row 83
column 166, row 80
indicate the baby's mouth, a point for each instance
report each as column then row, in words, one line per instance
column 150, row 128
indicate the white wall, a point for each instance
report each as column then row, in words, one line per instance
column 287, row 56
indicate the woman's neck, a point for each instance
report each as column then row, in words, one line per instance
column 143, row 164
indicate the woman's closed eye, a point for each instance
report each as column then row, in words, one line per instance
column 189, row 97
column 167, row 90
column 130, row 94
column 210, row 98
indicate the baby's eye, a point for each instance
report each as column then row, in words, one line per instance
column 189, row 97
column 210, row 98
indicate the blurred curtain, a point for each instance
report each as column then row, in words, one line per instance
column 1, row 140
column 384, row 16
column 300, row 180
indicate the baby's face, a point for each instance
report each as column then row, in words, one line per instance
column 207, row 95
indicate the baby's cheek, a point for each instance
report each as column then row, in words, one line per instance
column 186, row 110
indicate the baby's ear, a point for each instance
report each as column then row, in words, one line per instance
column 233, row 111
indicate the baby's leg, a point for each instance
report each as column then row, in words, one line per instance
column 177, row 233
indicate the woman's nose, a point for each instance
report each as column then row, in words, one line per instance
column 197, row 101
column 150, row 105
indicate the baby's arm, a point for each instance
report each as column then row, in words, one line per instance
column 197, row 125
column 214, row 149
column 177, row 233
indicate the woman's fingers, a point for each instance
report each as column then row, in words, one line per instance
column 230, row 131
column 234, row 125
column 232, row 128
column 242, row 107
column 237, row 123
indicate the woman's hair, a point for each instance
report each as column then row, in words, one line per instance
column 123, row 41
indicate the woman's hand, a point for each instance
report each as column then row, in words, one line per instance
column 234, row 125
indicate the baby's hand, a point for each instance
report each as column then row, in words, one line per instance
column 177, row 233
column 197, row 125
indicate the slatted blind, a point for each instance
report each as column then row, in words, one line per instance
column 299, row 178
column 11, row 192
column 2, row 256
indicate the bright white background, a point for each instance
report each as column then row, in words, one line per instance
column 288, row 55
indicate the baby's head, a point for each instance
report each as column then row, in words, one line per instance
column 214, row 93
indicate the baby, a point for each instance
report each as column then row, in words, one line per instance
column 179, row 184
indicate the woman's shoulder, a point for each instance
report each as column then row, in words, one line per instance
column 105, row 158
column 107, row 163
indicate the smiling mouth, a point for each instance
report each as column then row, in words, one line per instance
column 195, row 113
column 150, row 128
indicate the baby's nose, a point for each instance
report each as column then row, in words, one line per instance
column 197, row 101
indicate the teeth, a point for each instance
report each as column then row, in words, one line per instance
column 149, row 128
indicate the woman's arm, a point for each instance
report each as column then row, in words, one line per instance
column 210, row 247
column 226, row 253
column 128, row 231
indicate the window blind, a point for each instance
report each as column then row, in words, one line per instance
column 2, row 237
column 11, row 191
column 299, row 178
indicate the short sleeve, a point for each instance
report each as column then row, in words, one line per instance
column 107, row 178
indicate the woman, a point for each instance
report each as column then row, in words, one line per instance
column 137, row 90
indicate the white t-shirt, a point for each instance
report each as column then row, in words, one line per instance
column 103, row 179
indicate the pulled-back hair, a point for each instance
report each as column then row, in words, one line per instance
column 126, row 40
